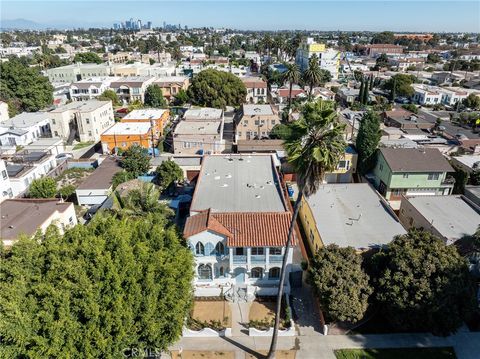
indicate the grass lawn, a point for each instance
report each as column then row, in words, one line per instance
column 397, row 353
column 215, row 310
column 197, row 354
column 83, row 145
column 279, row 354
column 73, row 176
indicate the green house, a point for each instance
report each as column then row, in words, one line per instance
column 411, row 172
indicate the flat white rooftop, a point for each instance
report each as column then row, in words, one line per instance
column 145, row 114
column 468, row 160
column 451, row 216
column 25, row 119
column 198, row 128
column 354, row 215
column 81, row 106
column 257, row 110
column 238, row 183
column 128, row 128
column 204, row 113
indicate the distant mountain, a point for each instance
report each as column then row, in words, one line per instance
column 20, row 24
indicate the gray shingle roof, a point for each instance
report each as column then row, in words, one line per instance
column 415, row 160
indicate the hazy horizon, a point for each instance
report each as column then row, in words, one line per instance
column 410, row 16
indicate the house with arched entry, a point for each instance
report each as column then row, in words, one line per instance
column 238, row 227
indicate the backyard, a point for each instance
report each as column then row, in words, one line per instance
column 215, row 314
column 398, row 353
column 73, row 176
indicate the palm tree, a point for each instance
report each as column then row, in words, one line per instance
column 139, row 201
column 291, row 75
column 312, row 75
column 315, row 146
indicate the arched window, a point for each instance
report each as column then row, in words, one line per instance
column 257, row 272
column 205, row 271
column 274, row 273
column 199, row 249
column 219, row 249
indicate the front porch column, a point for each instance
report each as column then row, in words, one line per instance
column 230, row 258
column 249, row 259
column 267, row 258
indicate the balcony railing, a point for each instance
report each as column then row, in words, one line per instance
column 275, row 258
column 257, row 259
column 239, row 259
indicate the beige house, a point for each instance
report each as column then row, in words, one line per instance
column 200, row 132
column 82, row 120
column 171, row 85
column 256, row 89
column 133, row 88
column 77, row 72
column 256, row 122
column 25, row 216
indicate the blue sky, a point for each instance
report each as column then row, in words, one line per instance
column 399, row 15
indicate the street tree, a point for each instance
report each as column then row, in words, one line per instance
column 400, row 85
column 135, row 160
column 97, row 290
column 314, row 75
column 423, row 284
column 154, row 97
column 315, row 146
column 45, row 187
column 213, row 88
column 367, row 141
column 340, row 283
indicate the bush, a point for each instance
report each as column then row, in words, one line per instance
column 44, row 187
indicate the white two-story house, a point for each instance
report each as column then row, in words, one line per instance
column 238, row 227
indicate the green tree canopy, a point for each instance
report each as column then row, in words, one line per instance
column 424, row 285
column 95, row 291
column 24, row 88
column 400, row 85
column 385, row 37
column 87, row 58
column 433, row 58
column 135, row 160
column 472, row 101
column 45, row 187
column 280, row 131
column 410, row 107
column 167, row 173
column 367, row 141
column 154, row 97
column 340, row 283
column 218, row 89
column 382, row 61
column 181, row 98
column 109, row 95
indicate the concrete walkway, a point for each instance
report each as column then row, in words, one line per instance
column 239, row 319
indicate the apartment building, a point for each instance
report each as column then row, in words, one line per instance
column 426, row 95
column 405, row 120
column 25, row 128
column 328, row 59
column 90, row 88
column 131, row 89
column 256, row 122
column 82, row 120
column 199, row 132
column 376, row 50
column 411, row 172
column 256, row 90
column 231, row 254
column 158, row 117
column 25, row 166
column 77, row 72
column 123, row 135
column 27, row 216
column 6, row 190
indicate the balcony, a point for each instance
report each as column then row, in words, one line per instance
column 276, row 258
column 257, row 259
column 239, row 259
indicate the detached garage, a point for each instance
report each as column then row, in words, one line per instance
column 98, row 186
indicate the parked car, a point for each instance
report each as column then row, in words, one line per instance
column 64, row 156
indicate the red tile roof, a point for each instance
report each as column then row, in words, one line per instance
column 286, row 92
column 243, row 229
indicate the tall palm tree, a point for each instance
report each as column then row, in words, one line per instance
column 313, row 75
column 315, row 146
column 291, row 75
